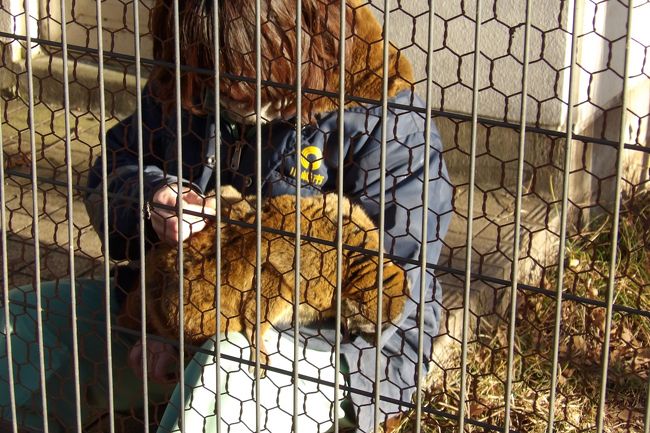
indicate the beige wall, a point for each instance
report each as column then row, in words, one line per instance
column 12, row 20
column 500, row 67
column 597, row 86
column 117, row 24
column 598, row 83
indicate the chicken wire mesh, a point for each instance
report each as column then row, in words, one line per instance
column 540, row 216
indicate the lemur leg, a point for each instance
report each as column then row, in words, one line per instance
column 249, row 333
column 249, row 330
column 395, row 293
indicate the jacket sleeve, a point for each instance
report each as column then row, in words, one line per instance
column 403, row 228
column 122, row 179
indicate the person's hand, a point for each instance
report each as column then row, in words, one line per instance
column 165, row 222
column 162, row 361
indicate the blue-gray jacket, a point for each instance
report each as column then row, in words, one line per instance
column 403, row 212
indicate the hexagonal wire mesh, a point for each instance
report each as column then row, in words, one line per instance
column 543, row 113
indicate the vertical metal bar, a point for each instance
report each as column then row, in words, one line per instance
column 258, row 203
column 5, row 289
column 382, row 205
column 563, row 221
column 296, row 293
column 35, row 222
column 646, row 421
column 70, row 205
column 615, row 223
column 104, row 156
column 217, row 189
column 179, row 206
column 425, row 225
column 339, row 213
column 141, row 204
column 470, row 221
column 517, row 232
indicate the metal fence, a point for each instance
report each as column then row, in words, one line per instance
column 543, row 111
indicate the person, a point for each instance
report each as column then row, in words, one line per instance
column 362, row 123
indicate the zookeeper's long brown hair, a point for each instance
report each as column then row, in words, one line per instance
column 320, row 50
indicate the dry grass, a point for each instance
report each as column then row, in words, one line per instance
column 580, row 347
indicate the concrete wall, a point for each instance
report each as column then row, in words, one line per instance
column 500, row 68
column 599, row 98
column 597, row 86
column 600, row 49
column 6, row 22
column 12, row 20
column 601, row 30
column 117, row 24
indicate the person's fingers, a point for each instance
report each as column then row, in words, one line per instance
column 192, row 197
column 166, row 224
column 166, row 195
column 199, row 203
column 202, row 209
column 162, row 361
column 167, row 229
column 192, row 228
column 162, row 368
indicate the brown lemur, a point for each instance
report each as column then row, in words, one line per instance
column 359, row 288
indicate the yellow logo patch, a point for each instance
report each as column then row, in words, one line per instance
column 311, row 158
column 316, row 160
